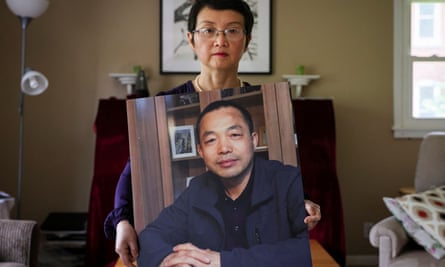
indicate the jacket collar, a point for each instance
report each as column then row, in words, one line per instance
column 207, row 196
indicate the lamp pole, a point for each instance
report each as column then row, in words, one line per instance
column 25, row 10
column 24, row 25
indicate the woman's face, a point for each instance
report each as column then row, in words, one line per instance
column 220, row 52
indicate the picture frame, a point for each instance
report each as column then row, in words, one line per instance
column 182, row 141
column 176, row 56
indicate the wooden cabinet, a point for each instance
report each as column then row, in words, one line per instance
column 162, row 141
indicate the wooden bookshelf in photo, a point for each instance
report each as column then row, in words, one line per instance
column 158, row 176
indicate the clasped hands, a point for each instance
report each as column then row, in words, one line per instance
column 188, row 255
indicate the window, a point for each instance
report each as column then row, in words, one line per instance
column 419, row 67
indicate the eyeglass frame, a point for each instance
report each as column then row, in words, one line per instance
column 225, row 31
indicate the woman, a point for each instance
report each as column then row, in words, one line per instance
column 219, row 32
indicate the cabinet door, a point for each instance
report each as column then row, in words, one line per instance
column 146, row 175
column 162, row 142
column 283, row 105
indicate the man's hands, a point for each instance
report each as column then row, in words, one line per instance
column 314, row 214
column 188, row 255
column 126, row 243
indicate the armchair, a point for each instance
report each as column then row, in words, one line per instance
column 19, row 243
column 388, row 235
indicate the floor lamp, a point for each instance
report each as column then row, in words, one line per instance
column 31, row 82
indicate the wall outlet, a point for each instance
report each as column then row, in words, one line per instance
column 366, row 229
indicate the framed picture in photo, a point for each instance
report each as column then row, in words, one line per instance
column 177, row 57
column 182, row 141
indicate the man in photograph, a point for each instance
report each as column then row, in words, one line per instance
column 244, row 211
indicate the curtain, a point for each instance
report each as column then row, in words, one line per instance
column 111, row 155
column 315, row 128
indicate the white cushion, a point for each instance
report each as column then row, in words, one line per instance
column 428, row 210
column 423, row 238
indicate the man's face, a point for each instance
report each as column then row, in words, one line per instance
column 226, row 145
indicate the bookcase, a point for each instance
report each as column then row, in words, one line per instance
column 161, row 137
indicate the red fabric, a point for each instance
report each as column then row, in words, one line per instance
column 111, row 155
column 315, row 127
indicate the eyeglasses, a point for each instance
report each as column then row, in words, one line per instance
column 207, row 34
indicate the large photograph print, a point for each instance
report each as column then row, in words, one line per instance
column 178, row 57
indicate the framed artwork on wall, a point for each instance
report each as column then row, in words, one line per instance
column 177, row 57
column 182, row 141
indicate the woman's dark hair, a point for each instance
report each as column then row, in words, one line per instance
column 236, row 5
column 223, row 104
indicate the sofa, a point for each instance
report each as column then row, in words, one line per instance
column 19, row 243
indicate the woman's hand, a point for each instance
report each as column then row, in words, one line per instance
column 314, row 212
column 126, row 243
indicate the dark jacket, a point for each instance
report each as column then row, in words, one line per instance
column 276, row 232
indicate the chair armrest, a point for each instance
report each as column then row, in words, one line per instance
column 391, row 232
column 21, row 241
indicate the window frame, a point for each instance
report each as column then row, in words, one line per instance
column 405, row 125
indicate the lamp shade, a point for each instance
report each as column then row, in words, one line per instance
column 28, row 8
column 34, row 83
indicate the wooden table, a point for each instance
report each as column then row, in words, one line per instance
column 320, row 258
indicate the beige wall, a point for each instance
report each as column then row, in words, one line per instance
column 77, row 43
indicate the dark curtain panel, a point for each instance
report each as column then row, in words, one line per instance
column 111, row 155
column 315, row 127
